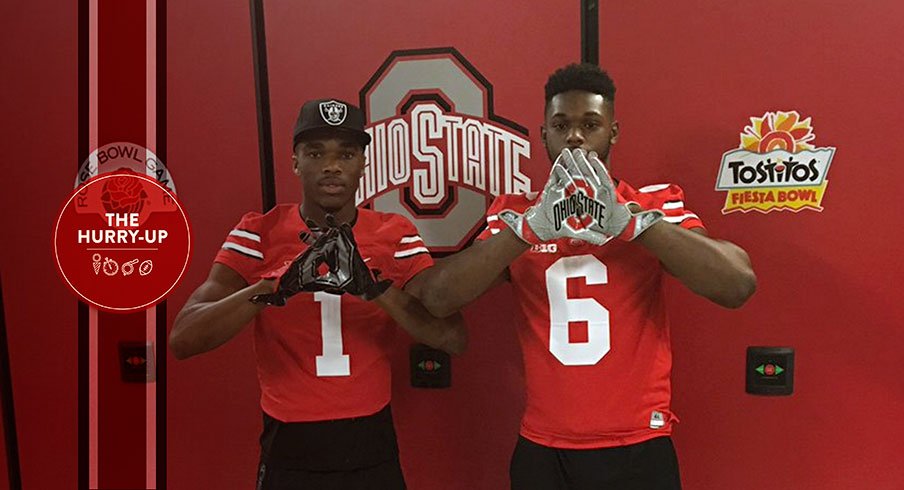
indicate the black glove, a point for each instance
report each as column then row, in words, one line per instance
column 365, row 282
column 322, row 267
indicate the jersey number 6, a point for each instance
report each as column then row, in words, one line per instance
column 564, row 310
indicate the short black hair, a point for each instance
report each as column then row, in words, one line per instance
column 580, row 76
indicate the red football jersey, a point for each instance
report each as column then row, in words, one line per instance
column 596, row 349
column 323, row 356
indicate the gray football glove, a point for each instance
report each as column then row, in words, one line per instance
column 609, row 217
column 553, row 215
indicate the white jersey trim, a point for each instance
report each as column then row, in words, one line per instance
column 653, row 188
column 679, row 219
column 411, row 239
column 245, row 234
column 243, row 250
column 412, row 251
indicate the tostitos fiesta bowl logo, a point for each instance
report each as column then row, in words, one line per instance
column 776, row 167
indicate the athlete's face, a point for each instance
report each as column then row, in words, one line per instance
column 579, row 119
column 330, row 168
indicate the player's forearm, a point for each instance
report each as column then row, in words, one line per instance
column 448, row 334
column 204, row 326
column 715, row 269
column 459, row 279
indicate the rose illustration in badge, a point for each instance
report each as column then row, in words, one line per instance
column 122, row 194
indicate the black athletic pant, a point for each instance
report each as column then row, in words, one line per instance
column 385, row 476
column 346, row 454
column 650, row 465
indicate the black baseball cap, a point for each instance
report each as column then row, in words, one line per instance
column 329, row 114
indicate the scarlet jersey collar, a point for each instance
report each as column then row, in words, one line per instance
column 304, row 225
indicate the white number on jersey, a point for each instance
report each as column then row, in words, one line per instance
column 563, row 310
column 333, row 362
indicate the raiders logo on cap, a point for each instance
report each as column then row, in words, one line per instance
column 333, row 112
column 329, row 115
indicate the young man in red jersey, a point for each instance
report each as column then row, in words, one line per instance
column 322, row 359
column 586, row 259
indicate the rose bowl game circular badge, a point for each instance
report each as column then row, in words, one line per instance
column 122, row 242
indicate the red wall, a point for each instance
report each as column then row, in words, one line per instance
column 689, row 78
column 690, row 74
column 4, row 475
column 40, row 156
column 213, row 418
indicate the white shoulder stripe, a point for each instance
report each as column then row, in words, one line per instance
column 492, row 217
column 243, row 250
column 245, row 234
column 412, row 251
column 673, row 205
column 411, row 239
column 653, row 188
column 679, row 219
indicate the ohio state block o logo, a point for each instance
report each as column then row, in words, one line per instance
column 439, row 154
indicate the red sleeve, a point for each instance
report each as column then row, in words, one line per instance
column 669, row 198
column 242, row 251
column 515, row 202
column 410, row 253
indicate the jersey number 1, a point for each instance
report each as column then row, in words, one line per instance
column 333, row 362
column 564, row 310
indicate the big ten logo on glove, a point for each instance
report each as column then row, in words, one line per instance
column 122, row 241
